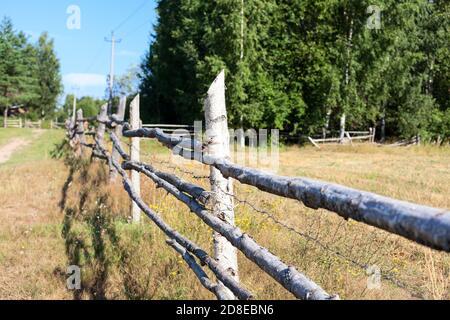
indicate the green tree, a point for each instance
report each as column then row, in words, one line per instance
column 18, row 84
column 49, row 78
column 89, row 105
column 299, row 65
column 169, row 84
column 127, row 84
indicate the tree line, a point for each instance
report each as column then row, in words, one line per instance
column 29, row 72
column 303, row 66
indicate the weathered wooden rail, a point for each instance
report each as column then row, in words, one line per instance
column 424, row 225
column 183, row 130
column 33, row 124
column 12, row 123
column 349, row 137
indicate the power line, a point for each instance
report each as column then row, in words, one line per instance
column 137, row 28
column 130, row 16
column 95, row 58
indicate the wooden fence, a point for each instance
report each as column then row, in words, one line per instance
column 424, row 225
column 349, row 138
column 33, row 124
column 12, row 123
column 19, row 123
column 57, row 125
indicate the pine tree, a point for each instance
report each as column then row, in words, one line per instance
column 168, row 79
column 49, row 79
column 18, row 85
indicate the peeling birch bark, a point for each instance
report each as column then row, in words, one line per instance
column 81, row 140
column 218, row 138
column 135, row 150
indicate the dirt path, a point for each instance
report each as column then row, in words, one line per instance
column 7, row 151
column 15, row 145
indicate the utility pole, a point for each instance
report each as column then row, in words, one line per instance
column 113, row 41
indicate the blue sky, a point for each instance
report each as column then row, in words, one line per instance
column 83, row 53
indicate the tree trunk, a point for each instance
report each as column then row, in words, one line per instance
column 5, row 118
column 343, row 121
column 326, row 127
column 347, row 76
column 383, row 127
column 242, row 30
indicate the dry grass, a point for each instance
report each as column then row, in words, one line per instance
column 31, row 246
column 122, row 261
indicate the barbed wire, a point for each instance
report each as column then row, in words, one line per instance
column 386, row 275
column 170, row 165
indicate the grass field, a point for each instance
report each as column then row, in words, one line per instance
column 54, row 217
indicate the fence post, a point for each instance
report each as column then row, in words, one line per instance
column 79, row 127
column 135, row 123
column 218, row 138
column 101, row 118
column 118, row 131
column 373, row 132
column 20, row 123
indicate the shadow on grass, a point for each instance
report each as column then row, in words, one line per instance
column 98, row 238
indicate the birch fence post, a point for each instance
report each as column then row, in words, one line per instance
column 101, row 129
column 118, row 131
column 135, row 123
column 79, row 127
column 218, row 138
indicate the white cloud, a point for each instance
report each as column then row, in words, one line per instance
column 84, row 80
